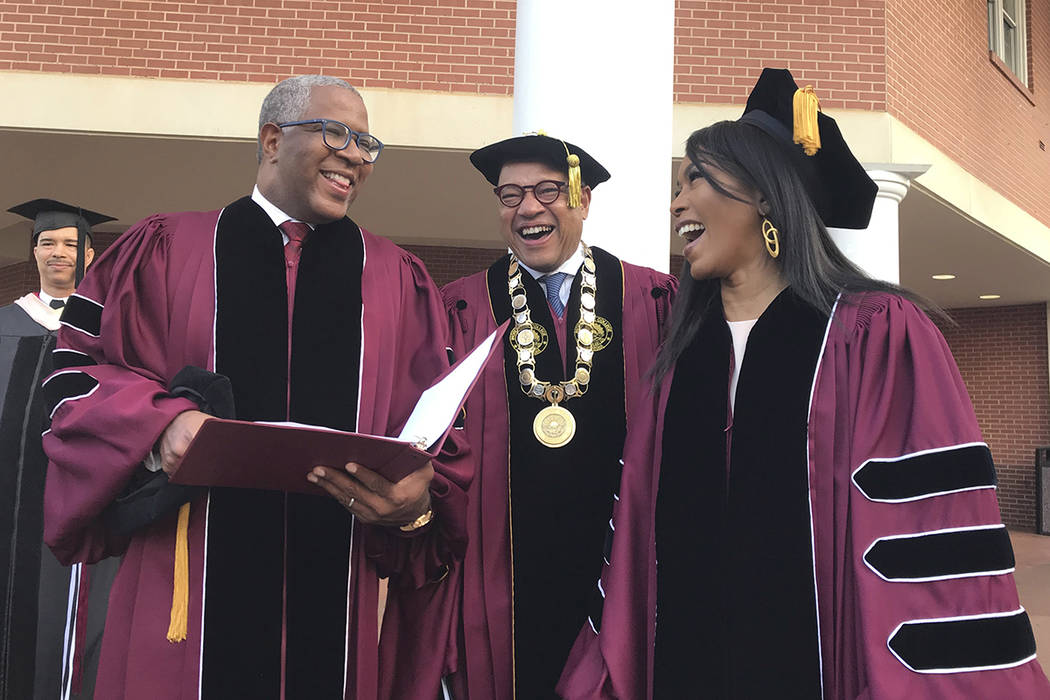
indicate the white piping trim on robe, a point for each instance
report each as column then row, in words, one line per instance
column 910, row 455
column 809, row 491
column 966, row 669
column 945, row 577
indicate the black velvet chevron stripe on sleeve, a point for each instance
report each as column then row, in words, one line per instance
column 956, row 645
column 66, row 385
column 83, row 314
column 926, row 474
column 64, row 358
column 931, row 556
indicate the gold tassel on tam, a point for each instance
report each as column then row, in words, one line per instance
column 807, row 132
column 180, row 595
column 575, row 180
column 575, row 183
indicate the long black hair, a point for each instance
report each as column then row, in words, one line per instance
column 810, row 262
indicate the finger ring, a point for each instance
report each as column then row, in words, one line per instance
column 350, row 503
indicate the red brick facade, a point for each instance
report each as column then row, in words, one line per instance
column 1002, row 355
column 942, row 84
column 444, row 45
column 838, row 45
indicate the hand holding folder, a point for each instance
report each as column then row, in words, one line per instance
column 278, row 456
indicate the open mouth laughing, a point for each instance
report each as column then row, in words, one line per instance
column 340, row 181
column 690, row 230
column 535, row 233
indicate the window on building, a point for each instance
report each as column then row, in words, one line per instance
column 1006, row 35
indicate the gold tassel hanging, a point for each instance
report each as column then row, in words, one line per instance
column 807, row 132
column 180, row 595
column 575, row 181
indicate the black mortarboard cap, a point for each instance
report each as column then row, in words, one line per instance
column 836, row 182
column 50, row 214
column 536, row 148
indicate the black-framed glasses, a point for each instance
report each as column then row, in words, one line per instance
column 545, row 192
column 338, row 136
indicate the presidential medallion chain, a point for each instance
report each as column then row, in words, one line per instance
column 554, row 425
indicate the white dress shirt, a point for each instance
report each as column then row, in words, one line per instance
column 570, row 267
column 272, row 211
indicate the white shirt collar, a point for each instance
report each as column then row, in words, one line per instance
column 273, row 211
column 570, row 267
column 46, row 298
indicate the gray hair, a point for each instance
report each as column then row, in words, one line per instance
column 287, row 101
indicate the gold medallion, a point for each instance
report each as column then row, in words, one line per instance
column 554, row 426
column 534, row 333
column 601, row 330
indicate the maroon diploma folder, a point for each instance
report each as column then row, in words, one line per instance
column 278, row 456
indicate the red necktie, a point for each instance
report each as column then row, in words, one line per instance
column 296, row 232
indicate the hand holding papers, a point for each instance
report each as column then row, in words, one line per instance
column 278, row 456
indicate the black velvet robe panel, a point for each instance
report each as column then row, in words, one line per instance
column 34, row 590
column 25, row 359
column 561, row 498
column 736, row 602
column 277, row 565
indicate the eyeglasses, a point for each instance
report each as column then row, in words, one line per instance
column 545, row 192
column 338, row 136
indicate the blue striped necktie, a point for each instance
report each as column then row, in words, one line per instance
column 553, row 282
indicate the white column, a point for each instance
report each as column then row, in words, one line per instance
column 599, row 74
column 876, row 249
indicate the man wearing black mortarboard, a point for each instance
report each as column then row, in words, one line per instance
column 548, row 424
column 58, row 611
column 62, row 250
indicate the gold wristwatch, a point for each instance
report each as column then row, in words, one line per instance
column 418, row 522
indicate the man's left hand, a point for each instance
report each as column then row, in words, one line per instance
column 372, row 498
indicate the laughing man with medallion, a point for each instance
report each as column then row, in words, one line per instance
column 548, row 423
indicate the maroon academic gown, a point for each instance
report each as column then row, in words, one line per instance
column 152, row 304
column 467, row 617
column 894, row 455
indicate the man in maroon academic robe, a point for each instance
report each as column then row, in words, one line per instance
column 588, row 325
column 302, row 316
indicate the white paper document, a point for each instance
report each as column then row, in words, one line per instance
column 437, row 407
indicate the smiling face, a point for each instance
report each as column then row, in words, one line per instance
column 542, row 236
column 300, row 174
column 55, row 253
column 724, row 234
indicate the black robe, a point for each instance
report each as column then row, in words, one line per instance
column 560, row 495
column 735, row 588
column 36, row 601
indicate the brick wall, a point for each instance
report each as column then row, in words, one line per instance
column 444, row 45
column 1002, row 355
column 446, row 264
column 17, row 280
column 941, row 83
column 838, row 45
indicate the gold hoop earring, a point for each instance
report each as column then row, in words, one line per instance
column 770, row 234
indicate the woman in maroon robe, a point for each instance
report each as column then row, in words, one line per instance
column 811, row 512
